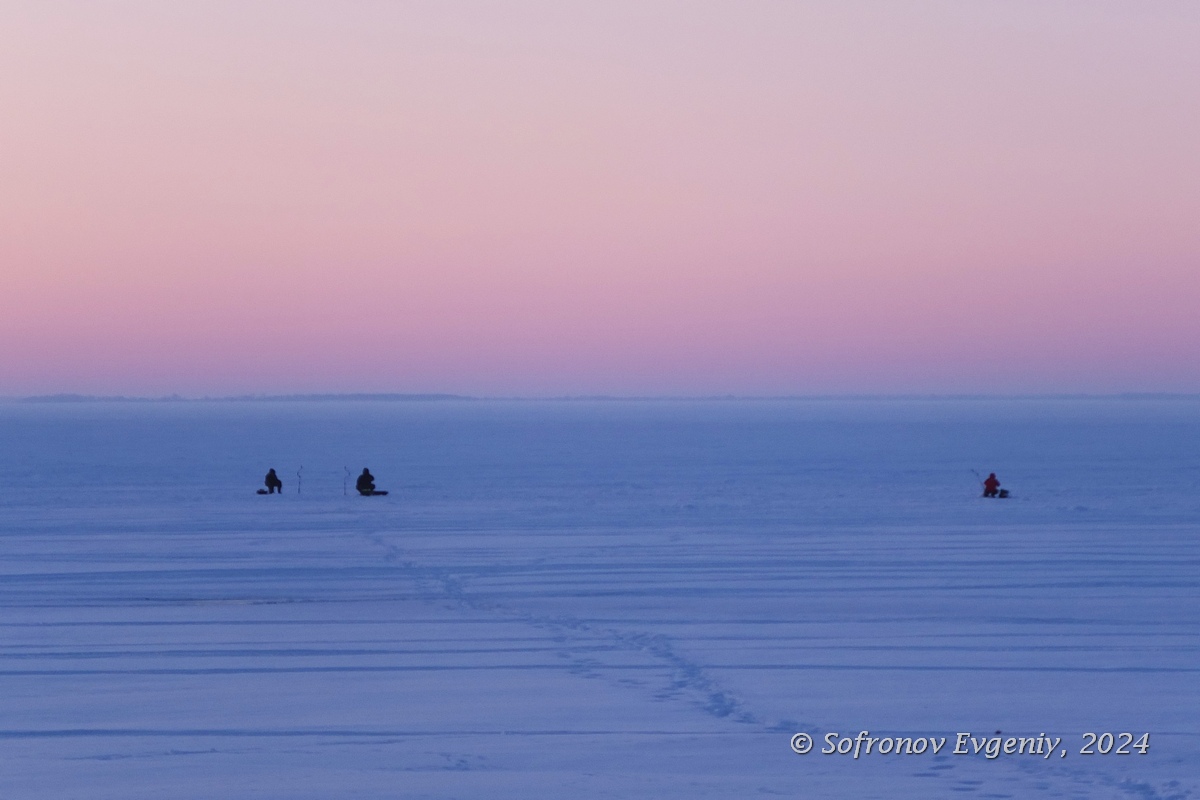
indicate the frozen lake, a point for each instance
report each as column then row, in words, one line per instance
column 596, row 599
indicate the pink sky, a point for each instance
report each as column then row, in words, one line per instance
column 563, row 197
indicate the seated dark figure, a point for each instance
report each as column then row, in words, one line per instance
column 991, row 487
column 273, row 483
column 365, row 483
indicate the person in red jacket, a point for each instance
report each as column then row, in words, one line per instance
column 991, row 487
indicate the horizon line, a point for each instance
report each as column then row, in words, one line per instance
column 68, row 397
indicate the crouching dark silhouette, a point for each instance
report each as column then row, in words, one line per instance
column 273, row 483
column 366, row 484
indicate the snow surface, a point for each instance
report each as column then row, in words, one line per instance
column 595, row 599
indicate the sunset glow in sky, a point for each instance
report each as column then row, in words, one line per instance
column 627, row 197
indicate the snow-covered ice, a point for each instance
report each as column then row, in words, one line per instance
column 595, row 599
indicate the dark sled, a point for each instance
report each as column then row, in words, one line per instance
column 373, row 493
column 262, row 491
column 1000, row 495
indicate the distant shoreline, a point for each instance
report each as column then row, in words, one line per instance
column 249, row 398
column 69, row 398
